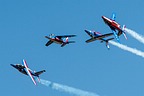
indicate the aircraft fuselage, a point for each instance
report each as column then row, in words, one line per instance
column 57, row 40
column 111, row 23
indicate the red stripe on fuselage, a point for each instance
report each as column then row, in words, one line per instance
column 111, row 23
column 58, row 41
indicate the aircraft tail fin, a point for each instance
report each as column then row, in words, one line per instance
column 113, row 16
column 107, row 45
column 123, row 29
column 88, row 32
column 66, row 41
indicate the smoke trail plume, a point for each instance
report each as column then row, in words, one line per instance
column 67, row 89
column 135, row 35
column 124, row 47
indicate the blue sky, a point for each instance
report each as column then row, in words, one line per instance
column 90, row 67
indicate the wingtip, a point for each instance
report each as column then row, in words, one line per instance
column 74, row 35
column 23, row 60
column 35, row 84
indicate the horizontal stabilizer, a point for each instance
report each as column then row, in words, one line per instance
column 71, row 41
column 110, row 39
column 39, row 72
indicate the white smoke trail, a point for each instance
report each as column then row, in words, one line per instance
column 135, row 35
column 124, row 47
column 67, row 89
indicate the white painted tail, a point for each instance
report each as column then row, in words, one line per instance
column 123, row 29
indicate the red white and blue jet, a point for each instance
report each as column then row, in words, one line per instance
column 23, row 68
column 63, row 40
column 115, row 26
column 98, row 36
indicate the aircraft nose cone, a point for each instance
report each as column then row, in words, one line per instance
column 12, row 65
column 86, row 30
column 103, row 17
column 46, row 36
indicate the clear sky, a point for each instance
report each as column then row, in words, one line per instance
column 90, row 67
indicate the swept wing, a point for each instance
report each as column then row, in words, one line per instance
column 99, row 37
column 29, row 72
column 64, row 36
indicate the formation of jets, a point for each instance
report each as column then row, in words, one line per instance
column 117, row 30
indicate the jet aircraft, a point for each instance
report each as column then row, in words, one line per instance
column 98, row 36
column 23, row 68
column 115, row 26
column 63, row 40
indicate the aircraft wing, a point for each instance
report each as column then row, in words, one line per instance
column 116, row 36
column 28, row 71
column 48, row 43
column 104, row 36
column 90, row 40
column 64, row 36
column 99, row 37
